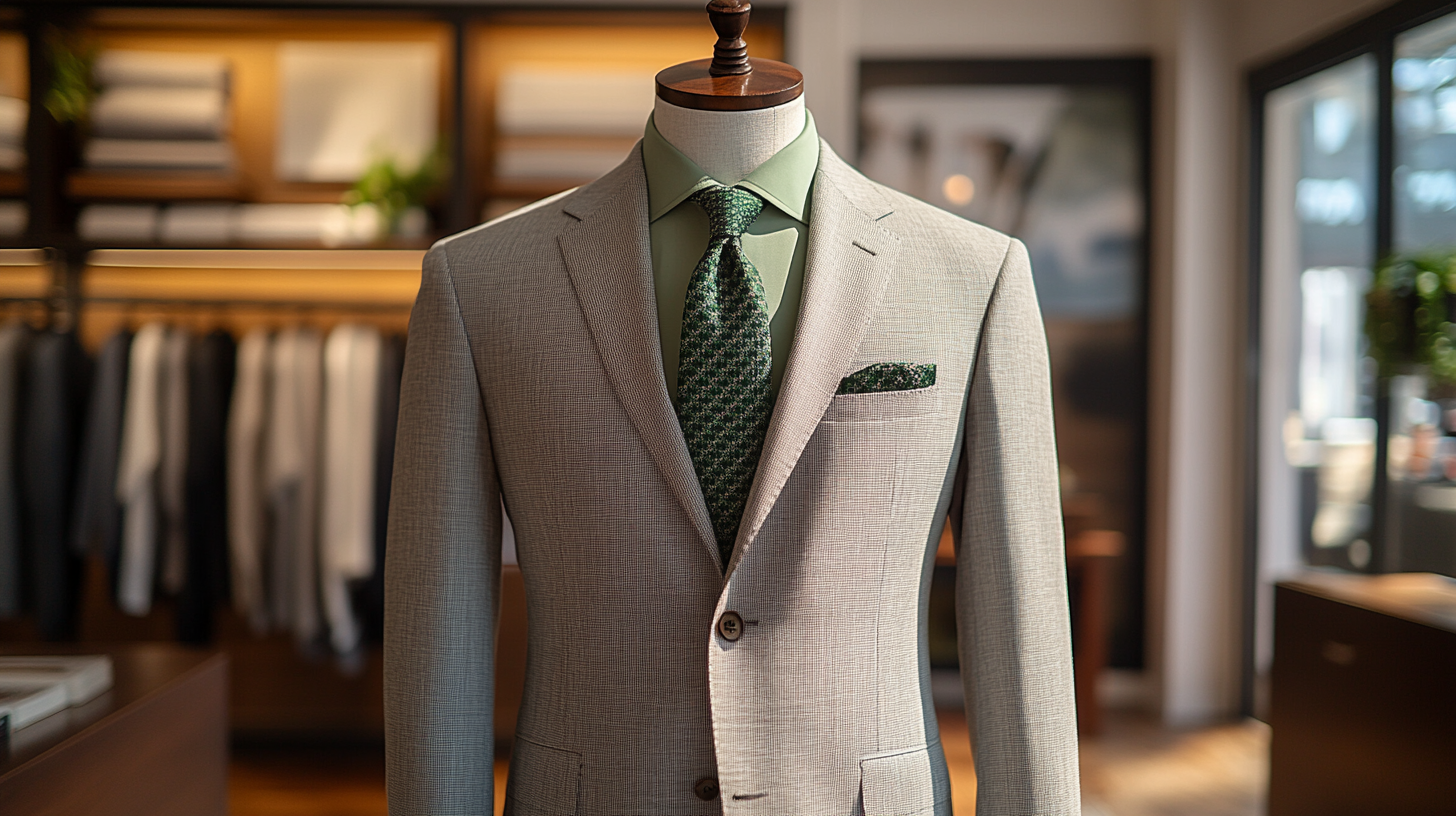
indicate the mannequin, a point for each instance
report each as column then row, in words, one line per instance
column 786, row 673
column 729, row 145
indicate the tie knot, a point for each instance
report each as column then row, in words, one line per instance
column 731, row 210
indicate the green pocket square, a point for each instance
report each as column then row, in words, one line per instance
column 882, row 377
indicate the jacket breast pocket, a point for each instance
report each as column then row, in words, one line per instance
column 544, row 781
column 900, row 784
column 885, row 406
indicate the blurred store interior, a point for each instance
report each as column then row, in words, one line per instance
column 1241, row 216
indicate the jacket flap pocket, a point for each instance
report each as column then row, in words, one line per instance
column 543, row 780
column 898, row 785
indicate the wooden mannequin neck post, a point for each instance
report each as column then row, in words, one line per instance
column 730, row 81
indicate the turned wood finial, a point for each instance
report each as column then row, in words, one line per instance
column 730, row 53
column 730, row 81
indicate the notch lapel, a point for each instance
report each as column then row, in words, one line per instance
column 608, row 256
column 849, row 260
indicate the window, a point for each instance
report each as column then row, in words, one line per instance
column 1354, row 161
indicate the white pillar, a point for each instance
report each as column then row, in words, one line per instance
column 1196, row 532
column 823, row 42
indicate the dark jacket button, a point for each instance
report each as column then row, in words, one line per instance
column 706, row 789
column 730, row 626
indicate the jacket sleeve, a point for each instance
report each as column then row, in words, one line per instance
column 442, row 571
column 1011, row 586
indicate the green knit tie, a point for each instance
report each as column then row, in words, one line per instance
column 723, row 384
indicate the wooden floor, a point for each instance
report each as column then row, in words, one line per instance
column 1134, row 769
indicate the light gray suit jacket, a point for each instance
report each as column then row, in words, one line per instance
column 534, row 374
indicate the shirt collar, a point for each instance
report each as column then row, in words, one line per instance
column 785, row 180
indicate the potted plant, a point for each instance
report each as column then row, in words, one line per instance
column 398, row 195
column 1409, row 313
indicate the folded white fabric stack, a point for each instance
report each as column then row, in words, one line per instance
column 563, row 126
column 14, row 215
column 331, row 225
column 161, row 111
column 13, row 115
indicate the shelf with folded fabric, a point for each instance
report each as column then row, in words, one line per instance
column 257, row 107
column 14, row 109
column 553, row 101
column 223, row 224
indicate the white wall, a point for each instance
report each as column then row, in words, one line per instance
column 1003, row 27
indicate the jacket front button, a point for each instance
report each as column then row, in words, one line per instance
column 730, row 626
column 706, row 789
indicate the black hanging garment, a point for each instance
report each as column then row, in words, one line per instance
column 391, row 369
column 14, row 352
column 211, row 368
column 97, row 514
column 56, row 394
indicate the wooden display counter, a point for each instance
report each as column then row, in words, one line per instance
column 1363, row 704
column 154, row 745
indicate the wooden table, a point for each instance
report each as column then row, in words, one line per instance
column 1363, row 696
column 154, row 745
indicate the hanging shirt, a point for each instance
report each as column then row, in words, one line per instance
column 244, row 479
column 291, row 453
column 97, row 511
column 56, row 382
column 172, row 472
column 351, row 384
column 210, row 378
column 14, row 337
column 137, row 466
column 777, row 242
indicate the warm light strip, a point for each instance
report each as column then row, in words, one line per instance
column 22, row 257
column 360, row 259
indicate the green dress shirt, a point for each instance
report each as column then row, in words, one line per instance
column 776, row 243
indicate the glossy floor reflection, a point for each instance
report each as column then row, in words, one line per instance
column 1136, row 768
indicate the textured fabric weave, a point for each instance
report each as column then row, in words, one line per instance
column 882, row 377
column 724, row 386
column 533, row 376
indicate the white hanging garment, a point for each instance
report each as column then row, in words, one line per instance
column 291, row 459
column 351, row 386
column 137, row 466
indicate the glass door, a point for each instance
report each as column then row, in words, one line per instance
column 1316, row 391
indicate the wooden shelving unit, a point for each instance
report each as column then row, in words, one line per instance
column 477, row 46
